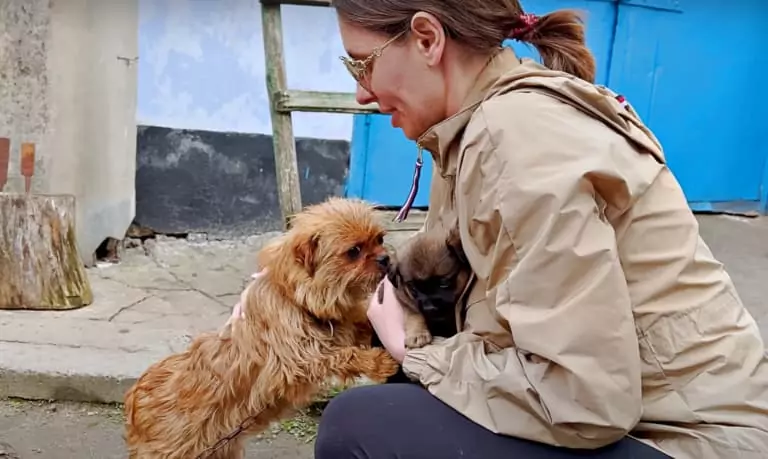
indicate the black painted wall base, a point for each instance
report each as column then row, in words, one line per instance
column 224, row 183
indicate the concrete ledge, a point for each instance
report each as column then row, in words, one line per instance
column 37, row 373
column 76, row 388
column 49, row 372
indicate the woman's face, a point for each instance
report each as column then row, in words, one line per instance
column 405, row 79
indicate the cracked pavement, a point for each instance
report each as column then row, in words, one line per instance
column 161, row 294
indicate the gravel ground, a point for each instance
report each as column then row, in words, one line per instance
column 55, row 430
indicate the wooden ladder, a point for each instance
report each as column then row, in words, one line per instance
column 284, row 101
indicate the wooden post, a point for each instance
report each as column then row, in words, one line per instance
column 284, row 101
column 286, row 168
column 39, row 259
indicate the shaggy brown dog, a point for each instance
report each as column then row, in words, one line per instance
column 429, row 277
column 304, row 322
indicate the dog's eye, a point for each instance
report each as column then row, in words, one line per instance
column 354, row 252
column 445, row 283
column 380, row 240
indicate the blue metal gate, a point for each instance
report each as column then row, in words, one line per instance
column 691, row 69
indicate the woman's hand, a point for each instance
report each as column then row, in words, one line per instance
column 237, row 310
column 387, row 319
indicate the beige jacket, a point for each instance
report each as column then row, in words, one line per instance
column 597, row 309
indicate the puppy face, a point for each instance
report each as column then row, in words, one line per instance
column 429, row 277
column 333, row 255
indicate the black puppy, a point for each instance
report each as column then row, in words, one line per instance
column 429, row 275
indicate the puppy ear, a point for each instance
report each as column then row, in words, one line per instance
column 453, row 241
column 305, row 250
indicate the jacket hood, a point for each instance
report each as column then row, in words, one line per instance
column 505, row 73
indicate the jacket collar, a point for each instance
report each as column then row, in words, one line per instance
column 439, row 138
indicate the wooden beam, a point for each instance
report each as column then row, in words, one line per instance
column 286, row 168
column 326, row 102
column 416, row 219
column 297, row 2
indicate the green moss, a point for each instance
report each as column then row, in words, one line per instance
column 302, row 427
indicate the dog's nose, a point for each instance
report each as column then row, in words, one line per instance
column 383, row 260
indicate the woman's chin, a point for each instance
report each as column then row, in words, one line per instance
column 399, row 122
column 408, row 131
column 396, row 119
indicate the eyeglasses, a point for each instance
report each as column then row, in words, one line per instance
column 360, row 69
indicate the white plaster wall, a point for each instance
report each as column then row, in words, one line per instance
column 202, row 66
column 63, row 87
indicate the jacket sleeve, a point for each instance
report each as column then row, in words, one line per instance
column 572, row 377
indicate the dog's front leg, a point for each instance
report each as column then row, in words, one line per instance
column 363, row 333
column 352, row 362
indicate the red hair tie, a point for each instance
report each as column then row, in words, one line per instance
column 524, row 32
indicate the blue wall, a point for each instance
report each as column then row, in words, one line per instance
column 692, row 79
column 689, row 68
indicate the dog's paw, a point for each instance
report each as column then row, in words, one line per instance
column 417, row 340
column 383, row 365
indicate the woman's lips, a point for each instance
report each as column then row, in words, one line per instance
column 393, row 115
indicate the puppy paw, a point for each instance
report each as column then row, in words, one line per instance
column 418, row 339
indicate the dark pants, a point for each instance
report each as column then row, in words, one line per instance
column 404, row 421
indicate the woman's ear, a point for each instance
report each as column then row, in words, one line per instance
column 429, row 34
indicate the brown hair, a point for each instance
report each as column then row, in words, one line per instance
column 482, row 25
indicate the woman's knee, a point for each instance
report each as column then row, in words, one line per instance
column 343, row 406
column 333, row 435
column 360, row 417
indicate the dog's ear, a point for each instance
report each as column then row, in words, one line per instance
column 453, row 241
column 305, row 250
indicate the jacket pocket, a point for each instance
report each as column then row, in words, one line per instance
column 680, row 351
column 677, row 339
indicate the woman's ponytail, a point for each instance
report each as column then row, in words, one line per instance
column 560, row 40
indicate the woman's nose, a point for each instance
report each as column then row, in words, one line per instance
column 364, row 97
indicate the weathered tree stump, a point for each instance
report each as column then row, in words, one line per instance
column 40, row 265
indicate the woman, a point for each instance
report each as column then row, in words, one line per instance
column 599, row 324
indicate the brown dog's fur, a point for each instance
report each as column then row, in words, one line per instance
column 305, row 322
column 429, row 277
